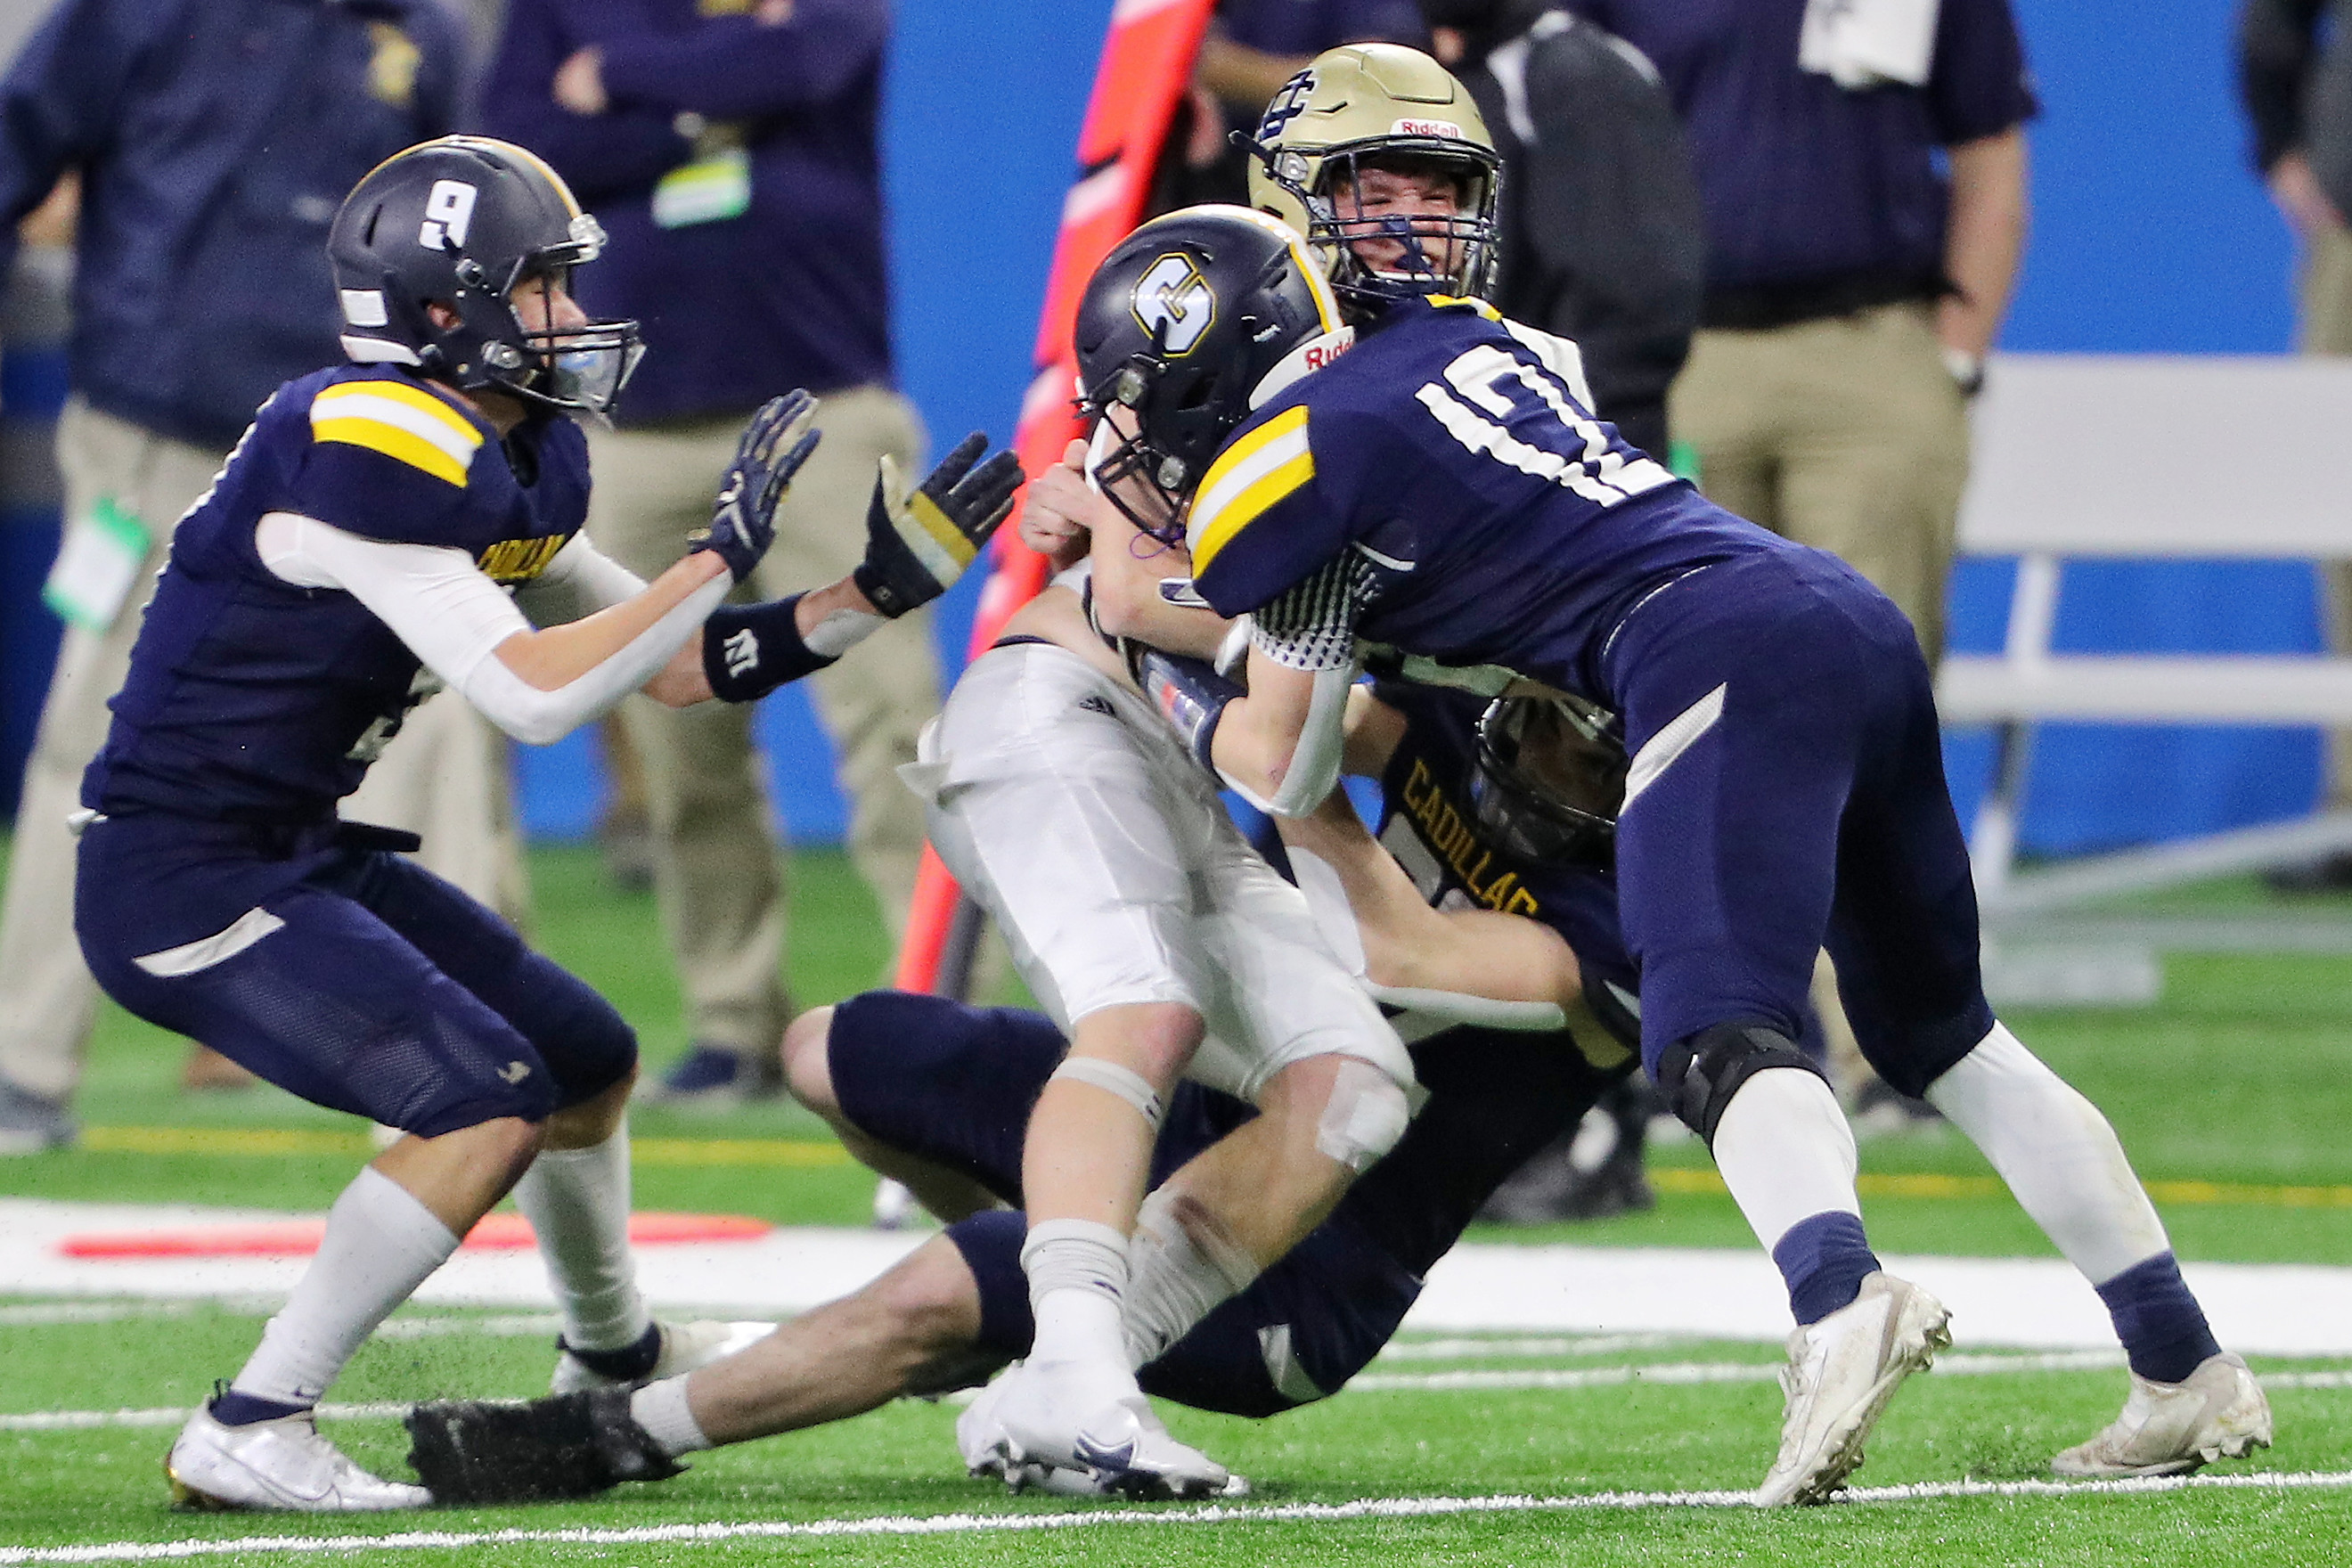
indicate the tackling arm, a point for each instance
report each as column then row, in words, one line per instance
column 1474, row 966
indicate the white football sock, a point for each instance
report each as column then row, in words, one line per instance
column 662, row 1410
column 1785, row 1152
column 1078, row 1277
column 577, row 1201
column 1182, row 1264
column 380, row 1246
column 2057, row 1154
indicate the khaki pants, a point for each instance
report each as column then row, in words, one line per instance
column 716, row 869
column 1848, row 434
column 443, row 776
column 2325, row 328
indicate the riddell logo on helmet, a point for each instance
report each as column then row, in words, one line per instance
column 1445, row 129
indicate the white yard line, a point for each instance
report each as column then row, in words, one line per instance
column 1215, row 1513
column 1368, row 1382
column 2035, row 1304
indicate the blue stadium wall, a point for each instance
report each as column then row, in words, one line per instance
column 2150, row 235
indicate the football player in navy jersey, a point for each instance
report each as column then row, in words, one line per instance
column 937, row 1094
column 363, row 548
column 1440, row 491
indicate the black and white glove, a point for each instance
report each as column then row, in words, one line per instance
column 918, row 545
column 575, row 1444
column 775, row 444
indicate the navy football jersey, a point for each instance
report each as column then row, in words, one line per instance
column 1482, row 515
column 250, row 699
column 1426, row 823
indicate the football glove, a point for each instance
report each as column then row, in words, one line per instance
column 776, row 442
column 918, row 545
column 572, row 1446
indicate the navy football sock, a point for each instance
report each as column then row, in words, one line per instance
column 630, row 1363
column 231, row 1408
column 2163, row 1329
column 1823, row 1258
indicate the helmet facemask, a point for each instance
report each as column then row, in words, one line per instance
column 1548, row 782
column 577, row 369
column 1151, row 481
column 1451, row 253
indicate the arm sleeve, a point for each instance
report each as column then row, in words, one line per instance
column 732, row 67
column 2277, row 47
column 60, row 101
column 453, row 618
column 1312, row 625
column 580, row 581
column 601, row 156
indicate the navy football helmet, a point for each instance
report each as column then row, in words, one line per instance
column 462, row 221
column 1190, row 322
column 1549, row 781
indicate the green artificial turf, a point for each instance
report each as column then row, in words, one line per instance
column 2242, row 1074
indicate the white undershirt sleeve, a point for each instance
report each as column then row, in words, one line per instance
column 580, row 581
column 453, row 617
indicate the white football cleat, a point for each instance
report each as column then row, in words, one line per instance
column 1021, row 1428
column 281, row 1464
column 684, row 1347
column 1842, row 1371
column 2217, row 1411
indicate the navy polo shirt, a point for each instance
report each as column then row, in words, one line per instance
column 1310, row 27
column 1800, row 180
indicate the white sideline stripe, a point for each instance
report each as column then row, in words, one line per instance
column 51, row 1314
column 1467, row 1349
column 167, row 1415
column 512, row 1326
column 1437, row 1383
column 1210, row 1513
column 1710, row 1372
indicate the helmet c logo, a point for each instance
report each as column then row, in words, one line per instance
column 448, row 213
column 1174, row 302
column 1287, row 105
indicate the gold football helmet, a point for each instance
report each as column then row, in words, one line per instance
column 1379, row 106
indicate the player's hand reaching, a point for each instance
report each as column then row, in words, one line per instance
column 775, row 444
column 1056, row 519
column 918, row 545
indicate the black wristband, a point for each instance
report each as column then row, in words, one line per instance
column 750, row 650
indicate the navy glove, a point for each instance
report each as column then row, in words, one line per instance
column 775, row 444
column 918, row 545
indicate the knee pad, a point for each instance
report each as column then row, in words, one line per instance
column 1699, row 1076
column 1367, row 1113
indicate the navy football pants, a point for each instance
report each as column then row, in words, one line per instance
column 348, row 976
column 954, row 1085
column 1801, row 803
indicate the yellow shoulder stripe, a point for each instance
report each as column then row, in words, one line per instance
column 1440, row 301
column 1248, row 476
column 400, row 421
